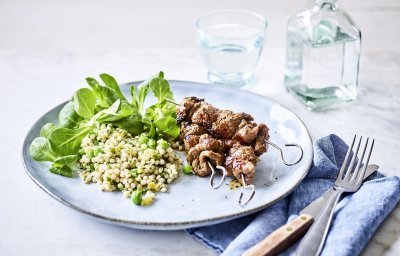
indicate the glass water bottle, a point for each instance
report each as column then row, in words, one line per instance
column 322, row 56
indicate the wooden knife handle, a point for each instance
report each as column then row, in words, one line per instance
column 281, row 238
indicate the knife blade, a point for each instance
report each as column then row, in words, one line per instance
column 283, row 237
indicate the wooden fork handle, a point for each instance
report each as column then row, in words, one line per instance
column 281, row 238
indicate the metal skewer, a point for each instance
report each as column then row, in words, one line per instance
column 246, row 186
column 275, row 146
column 252, row 187
column 171, row 101
column 211, row 181
column 288, row 145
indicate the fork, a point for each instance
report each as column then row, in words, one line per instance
column 347, row 181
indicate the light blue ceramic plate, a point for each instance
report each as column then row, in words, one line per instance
column 189, row 202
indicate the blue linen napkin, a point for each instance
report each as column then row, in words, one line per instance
column 355, row 220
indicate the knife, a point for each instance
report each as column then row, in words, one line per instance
column 281, row 238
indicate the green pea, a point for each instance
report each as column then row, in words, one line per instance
column 151, row 143
column 148, row 151
column 90, row 153
column 134, row 172
column 187, row 169
column 117, row 149
column 98, row 151
column 143, row 139
column 164, row 144
column 92, row 167
column 136, row 197
column 156, row 156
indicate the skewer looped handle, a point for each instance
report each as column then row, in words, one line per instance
column 252, row 188
column 288, row 145
column 213, row 172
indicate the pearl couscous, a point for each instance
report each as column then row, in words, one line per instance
column 135, row 165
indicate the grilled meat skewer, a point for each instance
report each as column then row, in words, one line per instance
column 221, row 137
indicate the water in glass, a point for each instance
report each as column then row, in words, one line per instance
column 232, row 62
column 230, row 43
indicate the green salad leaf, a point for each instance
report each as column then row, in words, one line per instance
column 105, row 96
column 64, row 160
column 149, row 127
column 111, row 83
column 67, row 117
column 84, row 101
column 161, row 89
column 65, row 141
column 140, row 92
column 124, row 110
column 40, row 150
column 63, row 170
column 47, row 129
column 101, row 101
column 168, row 125
column 134, row 93
column 132, row 124
column 106, row 113
column 143, row 90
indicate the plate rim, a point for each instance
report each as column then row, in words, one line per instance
column 164, row 225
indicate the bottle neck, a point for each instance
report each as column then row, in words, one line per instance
column 327, row 4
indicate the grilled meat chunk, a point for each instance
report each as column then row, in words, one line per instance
column 227, row 123
column 251, row 133
column 190, row 141
column 185, row 107
column 200, row 164
column 206, row 142
column 207, row 149
column 241, row 160
column 187, row 128
column 247, row 132
column 190, row 134
column 260, row 146
column 204, row 114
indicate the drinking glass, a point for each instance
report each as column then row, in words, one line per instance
column 230, row 43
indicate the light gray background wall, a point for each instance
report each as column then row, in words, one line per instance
column 106, row 24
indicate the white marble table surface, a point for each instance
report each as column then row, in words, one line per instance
column 32, row 82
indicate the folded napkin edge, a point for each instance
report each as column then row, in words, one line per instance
column 203, row 240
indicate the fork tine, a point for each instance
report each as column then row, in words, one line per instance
column 357, row 170
column 345, row 160
column 360, row 178
column 353, row 160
